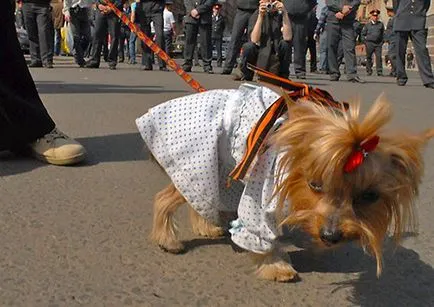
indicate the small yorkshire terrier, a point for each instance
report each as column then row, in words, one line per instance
column 322, row 169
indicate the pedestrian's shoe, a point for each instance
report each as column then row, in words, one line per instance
column 401, row 82
column 369, row 73
column 186, row 68
column 301, row 76
column 392, row 74
column 240, row 77
column 219, row 64
column 91, row 65
column 357, row 79
column 35, row 64
column 429, row 85
column 144, row 67
column 334, row 78
column 48, row 65
column 379, row 74
column 132, row 62
column 57, row 148
column 314, row 70
column 226, row 71
column 121, row 60
column 208, row 70
column 112, row 66
column 164, row 69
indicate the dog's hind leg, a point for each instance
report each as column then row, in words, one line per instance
column 204, row 228
column 163, row 228
column 272, row 266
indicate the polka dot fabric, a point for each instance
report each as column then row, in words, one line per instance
column 198, row 139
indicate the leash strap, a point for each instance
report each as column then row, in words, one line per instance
column 155, row 48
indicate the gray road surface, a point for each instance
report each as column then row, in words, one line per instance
column 77, row 236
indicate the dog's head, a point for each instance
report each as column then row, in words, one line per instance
column 346, row 179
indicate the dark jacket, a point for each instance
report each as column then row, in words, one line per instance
column 299, row 7
column 320, row 27
column 57, row 14
column 204, row 7
column 335, row 6
column 373, row 32
column 312, row 23
column 247, row 5
column 410, row 15
column 218, row 26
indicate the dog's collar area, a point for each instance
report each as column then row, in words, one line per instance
column 356, row 158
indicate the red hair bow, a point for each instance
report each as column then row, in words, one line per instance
column 356, row 158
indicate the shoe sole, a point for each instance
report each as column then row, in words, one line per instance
column 61, row 162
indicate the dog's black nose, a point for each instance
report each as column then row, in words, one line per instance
column 330, row 236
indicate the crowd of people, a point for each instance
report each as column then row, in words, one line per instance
column 271, row 34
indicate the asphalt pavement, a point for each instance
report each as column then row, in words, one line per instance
column 77, row 236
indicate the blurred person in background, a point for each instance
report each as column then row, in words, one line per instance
column 390, row 39
column 124, row 36
column 198, row 21
column 133, row 36
column 105, row 22
column 39, row 26
column 77, row 14
column 218, row 27
column 311, row 42
column 373, row 36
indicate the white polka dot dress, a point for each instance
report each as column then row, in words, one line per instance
column 198, row 140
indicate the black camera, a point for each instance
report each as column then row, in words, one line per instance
column 269, row 7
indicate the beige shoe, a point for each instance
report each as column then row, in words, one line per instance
column 57, row 148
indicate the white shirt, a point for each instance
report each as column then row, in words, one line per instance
column 68, row 4
column 169, row 20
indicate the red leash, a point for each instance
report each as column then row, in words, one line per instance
column 155, row 48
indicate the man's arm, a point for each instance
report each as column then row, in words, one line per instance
column 333, row 6
column 286, row 24
column 206, row 6
column 255, row 36
column 66, row 7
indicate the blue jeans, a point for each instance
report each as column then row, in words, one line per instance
column 132, row 48
column 57, row 41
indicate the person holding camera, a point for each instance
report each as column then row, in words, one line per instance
column 270, row 41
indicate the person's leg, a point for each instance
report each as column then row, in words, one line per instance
column 32, row 32
column 159, row 35
column 57, row 42
column 99, row 38
column 219, row 45
column 323, row 66
column 369, row 52
column 349, row 46
column 333, row 38
column 392, row 49
column 168, row 42
column 284, row 54
column 132, row 44
column 241, row 21
column 423, row 60
column 299, row 30
column 45, row 33
column 249, row 56
column 121, row 47
column 206, row 46
column 114, row 28
column 378, row 59
column 401, row 41
column 145, row 25
column 23, row 117
column 190, row 44
column 311, row 46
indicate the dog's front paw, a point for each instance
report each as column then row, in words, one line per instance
column 272, row 266
column 173, row 247
column 279, row 271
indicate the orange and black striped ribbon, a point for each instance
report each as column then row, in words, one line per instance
column 261, row 130
column 155, row 48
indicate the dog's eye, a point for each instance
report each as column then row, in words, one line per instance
column 315, row 186
column 366, row 197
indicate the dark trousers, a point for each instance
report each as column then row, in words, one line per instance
column 278, row 65
column 299, row 43
column 124, row 36
column 217, row 42
column 191, row 31
column 391, row 53
column 168, row 37
column 105, row 23
column 335, row 33
column 311, row 47
column 145, row 25
column 23, row 117
column 418, row 37
column 241, row 23
column 39, row 26
column 80, row 28
column 372, row 48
